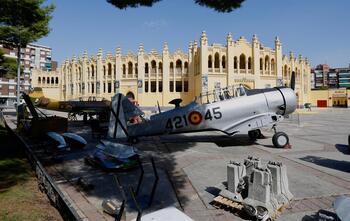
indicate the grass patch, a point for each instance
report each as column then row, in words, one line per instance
column 20, row 197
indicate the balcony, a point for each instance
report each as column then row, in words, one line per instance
column 210, row 69
column 217, row 69
column 235, row 71
column 242, row 71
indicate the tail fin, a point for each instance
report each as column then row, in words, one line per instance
column 117, row 121
column 122, row 110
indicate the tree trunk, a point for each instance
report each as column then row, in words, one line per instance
column 18, row 75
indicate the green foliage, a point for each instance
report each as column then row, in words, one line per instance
column 221, row 5
column 9, row 66
column 123, row 4
column 37, row 89
column 23, row 21
column 218, row 5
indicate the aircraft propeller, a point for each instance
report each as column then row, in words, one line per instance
column 292, row 81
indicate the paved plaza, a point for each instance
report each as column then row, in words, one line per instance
column 192, row 168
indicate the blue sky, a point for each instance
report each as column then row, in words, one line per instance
column 317, row 29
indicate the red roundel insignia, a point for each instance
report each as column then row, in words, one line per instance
column 195, row 117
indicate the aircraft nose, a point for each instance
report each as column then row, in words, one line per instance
column 290, row 100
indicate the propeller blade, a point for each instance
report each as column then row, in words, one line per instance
column 292, row 81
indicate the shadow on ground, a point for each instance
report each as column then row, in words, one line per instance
column 345, row 149
column 343, row 166
column 219, row 140
column 321, row 215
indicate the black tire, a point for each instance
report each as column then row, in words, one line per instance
column 133, row 140
column 280, row 139
column 254, row 134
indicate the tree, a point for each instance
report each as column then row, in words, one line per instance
column 23, row 22
column 8, row 66
column 223, row 6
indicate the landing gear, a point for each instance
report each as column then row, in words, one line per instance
column 255, row 134
column 280, row 139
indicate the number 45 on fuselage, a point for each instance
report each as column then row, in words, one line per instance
column 229, row 110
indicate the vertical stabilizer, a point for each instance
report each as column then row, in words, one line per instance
column 117, row 124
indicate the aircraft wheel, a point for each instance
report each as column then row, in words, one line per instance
column 133, row 140
column 262, row 213
column 254, row 134
column 280, row 139
column 250, row 210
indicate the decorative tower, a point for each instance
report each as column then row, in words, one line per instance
column 203, row 83
column 118, row 69
column 230, row 55
column 279, row 64
column 256, row 61
column 84, row 73
column 166, row 69
column 99, row 71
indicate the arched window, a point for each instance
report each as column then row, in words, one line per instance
column 210, row 62
column 146, row 68
column 153, row 66
column 52, row 80
column 249, row 63
column 171, row 67
column 136, row 69
column 160, row 67
column 48, row 80
column 39, row 80
column 285, row 73
column 115, row 71
column 267, row 63
column 261, row 64
column 216, row 60
column 124, row 70
column 92, row 71
column 56, row 80
column 88, row 70
column 235, row 66
column 44, row 80
column 104, row 70
column 109, row 67
column 130, row 68
column 186, row 67
column 223, row 62
column 273, row 64
column 178, row 66
column 242, row 61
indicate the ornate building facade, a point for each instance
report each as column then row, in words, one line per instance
column 151, row 77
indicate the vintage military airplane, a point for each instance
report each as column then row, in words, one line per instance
column 229, row 110
column 82, row 106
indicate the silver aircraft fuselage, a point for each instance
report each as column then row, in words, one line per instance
column 259, row 108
